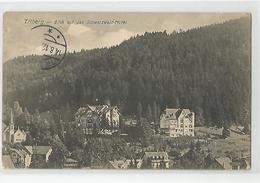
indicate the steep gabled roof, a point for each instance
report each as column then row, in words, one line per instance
column 170, row 113
column 99, row 109
column 29, row 149
column 91, row 107
column 175, row 113
column 178, row 113
column 19, row 152
column 224, row 162
column 20, row 131
column 41, row 150
column 119, row 164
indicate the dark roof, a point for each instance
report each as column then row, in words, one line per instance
column 175, row 113
column 178, row 113
column 41, row 150
column 20, row 152
column 98, row 109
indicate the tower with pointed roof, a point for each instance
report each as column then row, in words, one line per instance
column 11, row 127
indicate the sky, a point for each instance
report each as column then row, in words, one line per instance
column 85, row 30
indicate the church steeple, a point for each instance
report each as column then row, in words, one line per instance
column 11, row 127
column 12, row 118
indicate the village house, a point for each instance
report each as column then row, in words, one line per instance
column 224, row 163
column 177, row 122
column 21, row 158
column 156, row 160
column 10, row 135
column 126, row 164
column 129, row 121
column 42, row 152
column 70, row 163
column 95, row 118
column 212, row 132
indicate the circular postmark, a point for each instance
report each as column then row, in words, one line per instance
column 53, row 46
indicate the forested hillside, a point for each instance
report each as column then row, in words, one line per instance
column 205, row 69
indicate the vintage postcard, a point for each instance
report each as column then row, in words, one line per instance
column 114, row 90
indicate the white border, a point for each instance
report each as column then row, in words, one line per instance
column 154, row 176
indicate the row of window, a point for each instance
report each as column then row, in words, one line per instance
column 181, row 130
column 181, row 126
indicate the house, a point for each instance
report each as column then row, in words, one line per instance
column 21, row 158
column 19, row 136
column 129, row 121
column 94, row 118
column 245, row 163
column 88, row 119
column 211, row 132
column 223, row 163
column 126, row 164
column 241, row 164
column 70, row 163
column 155, row 160
column 120, row 164
column 10, row 135
column 111, row 114
column 100, row 164
column 177, row 122
column 42, row 152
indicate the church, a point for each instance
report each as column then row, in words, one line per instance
column 12, row 135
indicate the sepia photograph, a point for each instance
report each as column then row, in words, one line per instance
column 126, row 90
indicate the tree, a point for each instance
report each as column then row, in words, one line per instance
column 38, row 162
column 199, row 117
column 209, row 160
column 59, row 152
column 179, row 73
column 139, row 110
column 245, row 118
column 149, row 113
column 146, row 131
column 155, row 112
